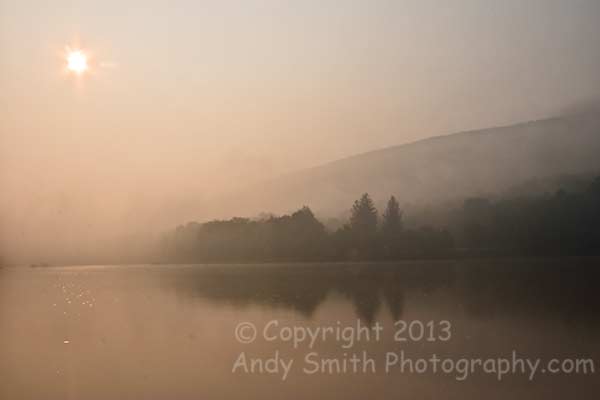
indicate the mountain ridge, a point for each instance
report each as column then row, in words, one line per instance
column 435, row 169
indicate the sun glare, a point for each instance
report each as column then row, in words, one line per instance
column 77, row 61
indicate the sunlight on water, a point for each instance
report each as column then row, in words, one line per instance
column 168, row 332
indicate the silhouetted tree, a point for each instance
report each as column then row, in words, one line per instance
column 563, row 223
column 363, row 227
column 391, row 229
column 392, row 218
column 363, row 220
column 299, row 236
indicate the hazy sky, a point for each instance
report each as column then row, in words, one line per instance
column 188, row 98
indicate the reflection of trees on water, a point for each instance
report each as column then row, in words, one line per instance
column 485, row 289
column 303, row 288
column 567, row 288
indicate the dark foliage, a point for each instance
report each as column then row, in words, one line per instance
column 559, row 224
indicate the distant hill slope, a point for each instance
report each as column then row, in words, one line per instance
column 429, row 171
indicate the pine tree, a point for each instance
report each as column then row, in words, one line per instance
column 363, row 220
column 392, row 218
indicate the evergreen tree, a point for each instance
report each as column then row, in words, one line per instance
column 391, row 230
column 392, row 218
column 363, row 220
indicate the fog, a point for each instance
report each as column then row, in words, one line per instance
column 186, row 102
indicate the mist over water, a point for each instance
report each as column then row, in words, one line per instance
column 217, row 199
column 210, row 98
column 168, row 332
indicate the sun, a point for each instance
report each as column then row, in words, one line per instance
column 77, row 61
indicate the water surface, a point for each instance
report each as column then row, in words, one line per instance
column 168, row 332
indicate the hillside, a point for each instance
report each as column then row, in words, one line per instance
column 430, row 171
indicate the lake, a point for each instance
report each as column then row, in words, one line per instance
column 299, row 331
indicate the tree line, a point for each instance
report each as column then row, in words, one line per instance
column 559, row 224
